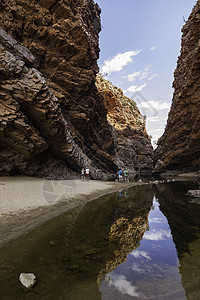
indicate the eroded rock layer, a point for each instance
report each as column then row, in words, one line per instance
column 53, row 120
column 179, row 147
column 133, row 145
column 52, row 117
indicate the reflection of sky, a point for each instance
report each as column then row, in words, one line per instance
column 139, row 253
column 151, row 270
column 122, row 285
column 157, row 235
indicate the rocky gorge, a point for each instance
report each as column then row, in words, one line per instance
column 54, row 120
column 179, row 148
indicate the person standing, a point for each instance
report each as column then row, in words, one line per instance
column 120, row 175
column 87, row 173
column 82, row 173
column 126, row 179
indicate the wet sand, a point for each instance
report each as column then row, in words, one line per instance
column 27, row 202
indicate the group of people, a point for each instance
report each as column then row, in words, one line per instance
column 123, row 175
column 85, row 174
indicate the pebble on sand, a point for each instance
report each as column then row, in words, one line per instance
column 27, row 279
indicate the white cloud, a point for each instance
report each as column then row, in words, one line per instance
column 144, row 75
column 138, row 253
column 140, row 74
column 136, row 268
column 153, row 76
column 154, row 119
column 156, row 220
column 122, row 285
column 153, row 48
column 156, row 235
column 119, row 61
column 156, row 134
column 133, row 76
column 159, row 130
column 136, row 88
column 154, row 105
column 147, row 69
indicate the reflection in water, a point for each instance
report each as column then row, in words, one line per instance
column 151, row 271
column 184, row 220
column 71, row 253
column 130, row 223
column 117, row 247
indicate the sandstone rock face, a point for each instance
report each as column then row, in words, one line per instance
column 53, row 120
column 52, row 117
column 133, row 145
column 179, row 147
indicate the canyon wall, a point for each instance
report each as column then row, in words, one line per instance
column 53, row 120
column 132, row 144
column 179, row 148
column 52, row 116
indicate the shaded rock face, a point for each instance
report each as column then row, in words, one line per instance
column 52, row 116
column 179, row 147
column 183, row 216
column 132, row 144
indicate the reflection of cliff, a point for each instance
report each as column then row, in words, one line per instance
column 183, row 217
column 125, row 234
column 184, row 220
column 113, row 227
column 189, row 268
column 131, row 222
column 78, row 248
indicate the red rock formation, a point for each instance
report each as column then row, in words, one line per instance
column 53, row 119
column 179, row 147
column 63, row 108
column 133, row 145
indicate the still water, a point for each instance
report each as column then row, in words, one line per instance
column 140, row 243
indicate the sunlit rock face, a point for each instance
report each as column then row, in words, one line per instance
column 132, row 144
column 179, row 147
column 52, row 117
column 129, row 226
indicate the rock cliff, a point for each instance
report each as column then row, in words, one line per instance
column 132, row 144
column 179, row 148
column 53, row 120
column 52, row 116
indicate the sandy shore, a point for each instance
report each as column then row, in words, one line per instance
column 26, row 202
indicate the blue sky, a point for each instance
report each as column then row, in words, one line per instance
column 140, row 43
